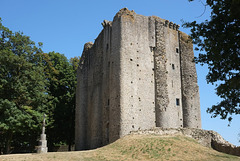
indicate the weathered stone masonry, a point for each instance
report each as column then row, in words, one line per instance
column 138, row 74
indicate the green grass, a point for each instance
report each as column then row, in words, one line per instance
column 136, row 147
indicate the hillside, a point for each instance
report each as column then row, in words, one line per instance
column 135, row 147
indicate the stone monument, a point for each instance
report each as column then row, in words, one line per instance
column 42, row 148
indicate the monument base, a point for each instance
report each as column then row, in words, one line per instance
column 42, row 148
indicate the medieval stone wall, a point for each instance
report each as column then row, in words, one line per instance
column 190, row 90
column 137, row 75
column 167, row 75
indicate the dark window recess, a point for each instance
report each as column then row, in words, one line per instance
column 173, row 67
column 131, row 60
column 177, row 102
column 177, row 50
column 108, row 102
column 107, row 47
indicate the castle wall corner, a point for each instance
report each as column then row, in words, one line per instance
column 190, row 89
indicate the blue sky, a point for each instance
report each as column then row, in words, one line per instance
column 64, row 26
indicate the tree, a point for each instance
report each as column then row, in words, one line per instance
column 219, row 37
column 61, row 76
column 22, row 88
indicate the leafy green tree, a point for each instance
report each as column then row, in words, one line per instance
column 219, row 38
column 61, row 89
column 22, row 87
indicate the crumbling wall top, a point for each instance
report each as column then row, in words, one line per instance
column 126, row 13
column 106, row 23
column 88, row 45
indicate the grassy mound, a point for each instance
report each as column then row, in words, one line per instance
column 135, row 147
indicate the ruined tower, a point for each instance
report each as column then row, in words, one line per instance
column 138, row 74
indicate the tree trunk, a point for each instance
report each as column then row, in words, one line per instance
column 8, row 142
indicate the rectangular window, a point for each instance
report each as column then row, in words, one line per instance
column 173, row 67
column 177, row 102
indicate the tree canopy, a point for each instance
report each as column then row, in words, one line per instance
column 22, row 86
column 218, row 41
column 61, row 89
column 33, row 83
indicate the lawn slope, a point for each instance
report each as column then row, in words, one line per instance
column 135, row 147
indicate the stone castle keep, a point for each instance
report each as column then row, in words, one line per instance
column 138, row 74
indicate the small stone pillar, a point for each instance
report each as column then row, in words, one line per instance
column 42, row 148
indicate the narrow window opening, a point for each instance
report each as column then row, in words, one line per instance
column 138, row 65
column 173, row 67
column 177, row 102
column 107, row 47
column 131, row 60
column 177, row 50
column 108, row 102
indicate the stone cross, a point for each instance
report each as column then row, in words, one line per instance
column 43, row 125
column 42, row 148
